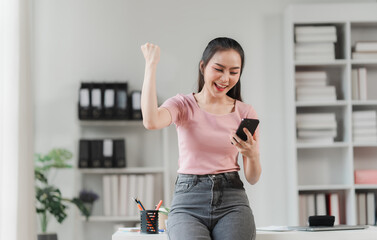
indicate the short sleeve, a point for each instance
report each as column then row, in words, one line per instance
column 177, row 108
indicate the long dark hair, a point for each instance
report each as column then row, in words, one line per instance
column 214, row 46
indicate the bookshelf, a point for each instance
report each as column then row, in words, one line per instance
column 325, row 166
column 142, row 158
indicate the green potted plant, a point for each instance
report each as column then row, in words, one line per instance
column 50, row 201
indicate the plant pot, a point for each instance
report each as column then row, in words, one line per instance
column 47, row 236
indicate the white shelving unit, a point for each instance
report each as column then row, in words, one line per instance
column 146, row 153
column 321, row 167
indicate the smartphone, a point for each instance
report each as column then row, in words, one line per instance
column 249, row 123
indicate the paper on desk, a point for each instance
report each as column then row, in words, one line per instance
column 275, row 228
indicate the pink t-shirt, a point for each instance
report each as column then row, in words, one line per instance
column 203, row 137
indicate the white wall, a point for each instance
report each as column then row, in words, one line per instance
column 76, row 40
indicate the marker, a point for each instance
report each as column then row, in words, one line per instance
column 159, row 205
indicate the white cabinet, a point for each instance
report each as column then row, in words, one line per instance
column 146, row 154
column 328, row 167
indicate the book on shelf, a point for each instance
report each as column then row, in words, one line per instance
column 315, row 98
column 364, row 131
column 361, row 208
column 322, row 140
column 362, row 79
column 365, row 139
column 314, row 57
column 364, row 123
column 317, row 125
column 124, row 199
column 114, row 195
column 315, row 48
column 316, row 133
column 371, row 208
column 364, row 55
column 366, row 176
column 315, row 30
column 320, row 202
column 332, row 202
column 108, row 153
column 320, row 37
column 303, row 217
column 367, row 114
column 106, row 190
column 366, row 46
column 355, row 84
column 132, row 208
column 326, row 90
column 311, row 204
column 315, row 75
column 310, row 83
column 315, row 117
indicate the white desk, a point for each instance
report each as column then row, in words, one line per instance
column 366, row 234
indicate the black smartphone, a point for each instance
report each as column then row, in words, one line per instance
column 249, row 123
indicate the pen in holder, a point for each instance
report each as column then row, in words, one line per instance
column 149, row 221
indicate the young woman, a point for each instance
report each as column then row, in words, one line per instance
column 209, row 200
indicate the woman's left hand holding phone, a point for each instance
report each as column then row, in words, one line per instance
column 247, row 148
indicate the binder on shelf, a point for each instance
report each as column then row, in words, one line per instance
column 136, row 105
column 114, row 195
column 108, row 151
column 96, row 150
column 109, row 101
column 123, row 195
column 96, row 100
column 119, row 153
column 84, row 106
column 121, row 105
column 84, row 154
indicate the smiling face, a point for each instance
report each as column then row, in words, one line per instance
column 222, row 72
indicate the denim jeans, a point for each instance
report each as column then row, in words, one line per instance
column 210, row 207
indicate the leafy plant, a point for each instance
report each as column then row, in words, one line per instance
column 49, row 198
column 164, row 210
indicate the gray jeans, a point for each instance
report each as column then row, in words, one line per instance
column 210, row 207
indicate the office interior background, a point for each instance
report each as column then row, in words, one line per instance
column 96, row 40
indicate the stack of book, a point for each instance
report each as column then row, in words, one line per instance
column 312, row 86
column 118, row 191
column 365, row 50
column 315, row 43
column 316, row 127
column 359, row 83
column 312, row 204
column 364, row 126
column 366, row 208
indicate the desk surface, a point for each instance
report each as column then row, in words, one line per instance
column 365, row 234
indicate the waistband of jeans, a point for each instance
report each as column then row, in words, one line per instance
column 227, row 175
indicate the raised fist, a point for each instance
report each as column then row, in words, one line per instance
column 151, row 53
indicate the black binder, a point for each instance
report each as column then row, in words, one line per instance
column 119, row 153
column 84, row 105
column 96, row 150
column 136, row 105
column 84, row 153
column 109, row 100
column 121, row 105
column 97, row 101
column 108, row 153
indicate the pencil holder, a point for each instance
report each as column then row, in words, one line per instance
column 149, row 221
